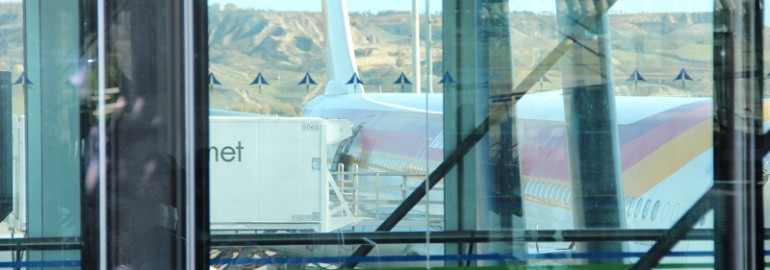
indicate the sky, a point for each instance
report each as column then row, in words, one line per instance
column 626, row 6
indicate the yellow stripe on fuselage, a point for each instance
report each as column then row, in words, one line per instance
column 666, row 160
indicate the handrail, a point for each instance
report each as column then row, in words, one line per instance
column 416, row 237
column 41, row 244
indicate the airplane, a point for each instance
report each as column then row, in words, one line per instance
column 666, row 150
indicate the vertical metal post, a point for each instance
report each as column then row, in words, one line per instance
column 355, row 196
column 738, row 88
column 589, row 101
column 403, row 187
column 416, row 45
column 428, row 47
column 461, row 116
column 483, row 190
column 503, row 188
column 53, row 47
column 6, row 145
column 377, row 195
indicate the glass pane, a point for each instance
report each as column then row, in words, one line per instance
column 146, row 138
column 766, row 128
column 274, row 70
column 41, row 133
column 558, row 130
column 53, row 149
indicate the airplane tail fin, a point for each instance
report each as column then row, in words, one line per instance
column 340, row 60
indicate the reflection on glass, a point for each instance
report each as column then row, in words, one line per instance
column 583, row 117
column 40, row 133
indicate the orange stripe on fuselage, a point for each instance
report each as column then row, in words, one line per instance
column 666, row 160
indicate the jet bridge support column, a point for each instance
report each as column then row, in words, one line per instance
column 591, row 125
column 738, row 133
column 6, row 148
column 483, row 192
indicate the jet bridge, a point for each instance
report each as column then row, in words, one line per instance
column 272, row 174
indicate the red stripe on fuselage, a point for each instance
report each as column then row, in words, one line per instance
column 544, row 144
column 636, row 150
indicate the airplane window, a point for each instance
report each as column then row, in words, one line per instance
column 646, row 209
column 533, row 188
column 551, row 193
column 544, row 191
column 527, row 187
column 548, row 194
column 675, row 212
column 664, row 212
column 655, row 209
column 555, row 193
column 554, row 188
column 638, row 207
column 627, row 203
column 630, row 206
column 564, row 196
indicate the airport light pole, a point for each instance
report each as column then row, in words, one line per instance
column 428, row 47
column 416, row 44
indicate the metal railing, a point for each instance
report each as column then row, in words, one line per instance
column 363, row 238
column 378, row 195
